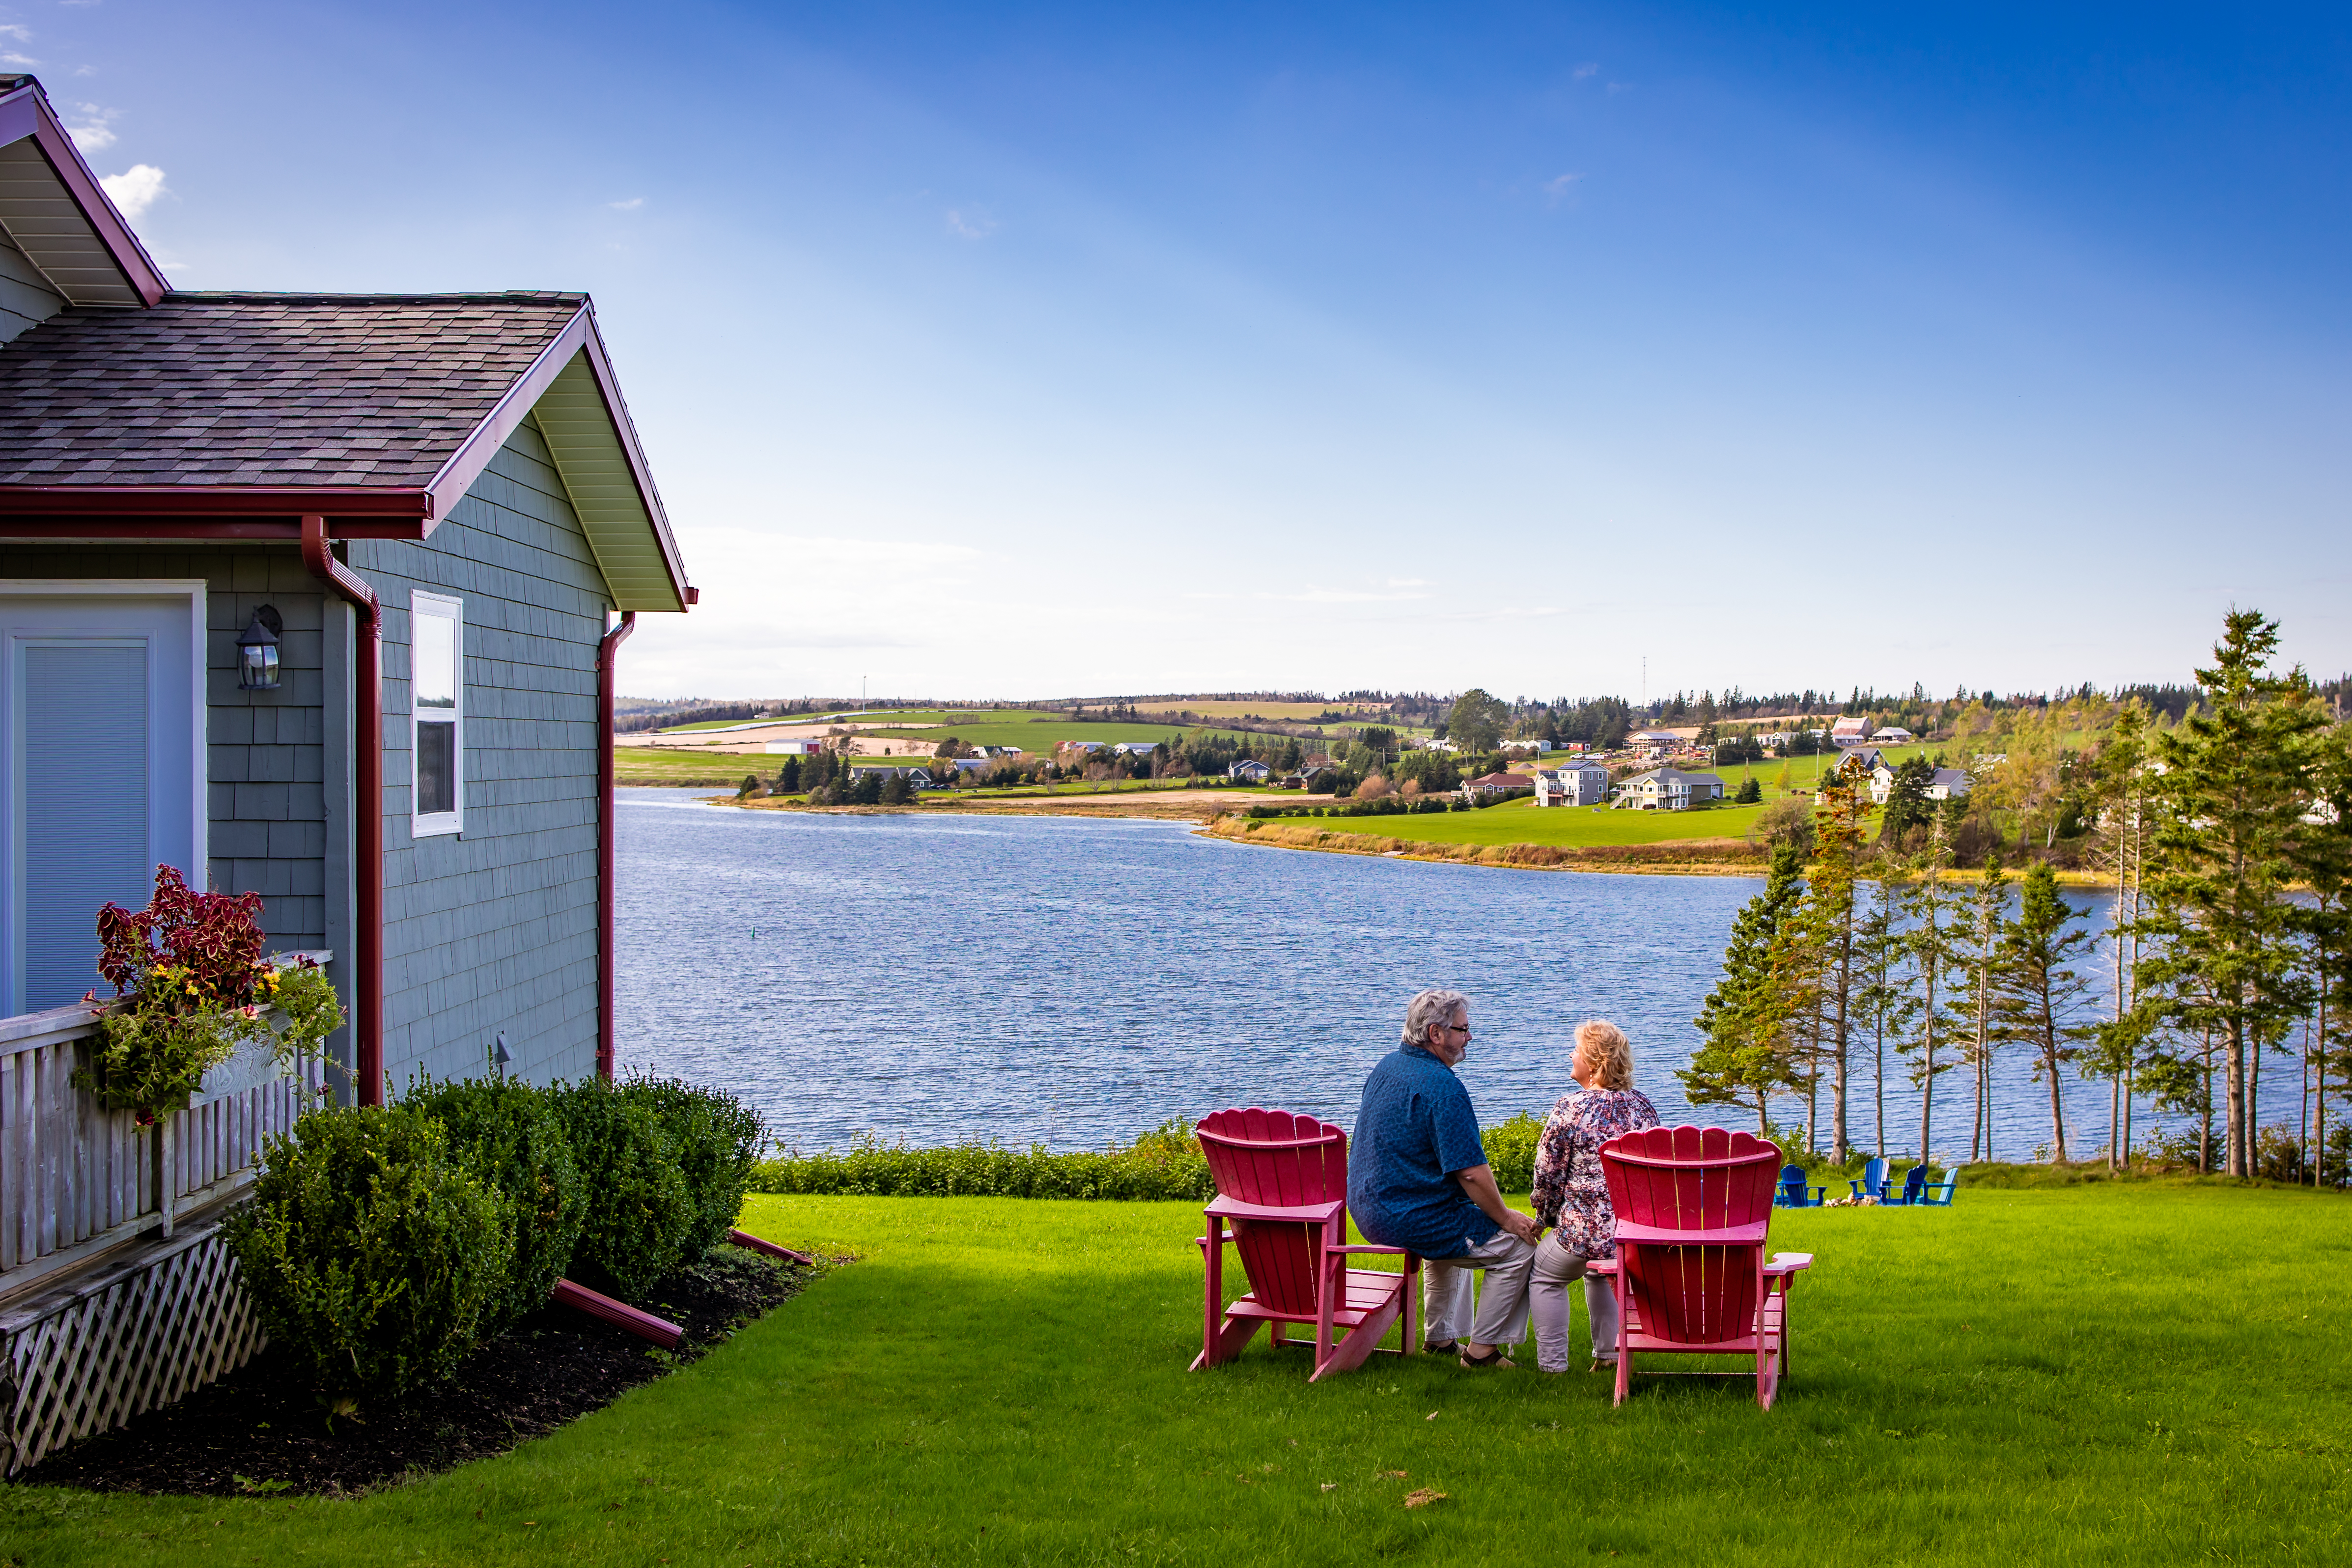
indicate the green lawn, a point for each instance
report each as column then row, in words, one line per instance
column 2146, row 1374
column 1522, row 822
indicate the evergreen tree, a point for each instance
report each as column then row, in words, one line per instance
column 2323, row 856
column 1751, row 791
column 1907, row 805
column 1830, row 924
column 1884, row 1003
column 1985, row 920
column 2235, row 789
column 1740, row 1059
column 2037, row 990
column 1932, row 941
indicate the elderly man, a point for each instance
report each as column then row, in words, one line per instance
column 1418, row 1178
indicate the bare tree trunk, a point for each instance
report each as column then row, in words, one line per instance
column 2234, row 1084
column 2205, row 1127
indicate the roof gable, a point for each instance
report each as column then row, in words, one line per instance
column 57, row 212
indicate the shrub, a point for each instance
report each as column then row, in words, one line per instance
column 717, row 1138
column 371, row 1252
column 1164, row 1165
column 639, row 1212
column 1511, row 1151
column 508, row 1135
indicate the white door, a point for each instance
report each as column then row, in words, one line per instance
column 102, row 769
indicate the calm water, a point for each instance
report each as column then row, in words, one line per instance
column 1073, row 982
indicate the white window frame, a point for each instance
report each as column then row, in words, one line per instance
column 423, row 825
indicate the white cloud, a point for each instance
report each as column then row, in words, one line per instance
column 1408, row 582
column 1560, row 186
column 11, row 30
column 970, row 222
column 96, row 131
column 632, row 205
column 27, row 61
column 135, row 189
column 1589, row 67
column 1314, row 596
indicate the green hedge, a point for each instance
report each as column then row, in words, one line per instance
column 1165, row 1164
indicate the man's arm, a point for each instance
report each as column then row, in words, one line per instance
column 1478, row 1182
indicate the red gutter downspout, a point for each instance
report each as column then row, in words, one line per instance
column 367, row 793
column 607, row 689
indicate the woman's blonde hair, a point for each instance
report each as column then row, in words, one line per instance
column 1606, row 1050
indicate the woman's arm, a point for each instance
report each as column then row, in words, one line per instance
column 1550, row 1185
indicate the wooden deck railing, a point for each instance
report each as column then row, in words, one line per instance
column 78, row 1179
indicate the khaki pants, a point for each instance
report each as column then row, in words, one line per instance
column 1548, row 1305
column 1502, row 1315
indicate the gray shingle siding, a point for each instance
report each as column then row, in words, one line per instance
column 494, row 930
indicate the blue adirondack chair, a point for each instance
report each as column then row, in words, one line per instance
column 1914, row 1188
column 1939, row 1196
column 1873, row 1183
column 1793, row 1193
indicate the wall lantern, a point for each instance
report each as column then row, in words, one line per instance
column 499, row 1055
column 257, row 651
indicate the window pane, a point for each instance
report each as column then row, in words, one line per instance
column 436, row 767
column 433, row 660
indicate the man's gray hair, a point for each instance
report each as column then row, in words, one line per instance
column 1430, row 1007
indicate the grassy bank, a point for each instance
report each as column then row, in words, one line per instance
column 1417, row 836
column 2141, row 1374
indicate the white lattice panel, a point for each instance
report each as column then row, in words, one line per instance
column 110, row 1352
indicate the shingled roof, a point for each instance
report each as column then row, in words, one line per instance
column 265, row 389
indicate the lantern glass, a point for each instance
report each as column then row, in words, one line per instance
column 257, row 651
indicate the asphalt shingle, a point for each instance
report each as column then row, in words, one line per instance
column 264, row 389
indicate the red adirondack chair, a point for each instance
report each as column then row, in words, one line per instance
column 1282, row 1185
column 1694, row 1206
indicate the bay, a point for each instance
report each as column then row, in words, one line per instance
column 1074, row 983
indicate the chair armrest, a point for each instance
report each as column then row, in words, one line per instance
column 1663, row 1235
column 1384, row 1251
column 1788, row 1262
column 1604, row 1266
column 1304, row 1214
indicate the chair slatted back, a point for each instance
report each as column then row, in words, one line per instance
column 1695, row 1180
column 1874, row 1176
column 1276, row 1158
column 1794, row 1189
column 1914, row 1185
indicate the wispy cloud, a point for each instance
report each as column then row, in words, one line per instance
column 1315, row 595
column 632, row 205
column 1589, row 68
column 135, row 189
column 971, row 223
column 27, row 61
column 95, row 131
column 1408, row 582
column 1560, row 185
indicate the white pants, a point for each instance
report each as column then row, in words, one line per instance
column 1548, row 1305
column 1502, row 1315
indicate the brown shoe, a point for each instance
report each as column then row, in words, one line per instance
column 1493, row 1360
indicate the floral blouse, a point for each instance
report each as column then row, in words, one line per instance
column 1570, row 1190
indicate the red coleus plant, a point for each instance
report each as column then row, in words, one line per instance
column 185, row 947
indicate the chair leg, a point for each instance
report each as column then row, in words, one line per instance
column 1625, row 1352
column 1227, row 1343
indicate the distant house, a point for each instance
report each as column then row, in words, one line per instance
column 1249, row 771
column 918, row 778
column 1082, row 745
column 1582, row 784
column 1870, row 758
column 998, row 750
column 964, row 764
column 1654, row 738
column 1946, row 783
column 1496, row 783
column 1851, row 730
column 1667, row 789
column 1892, row 735
column 1136, row 748
column 1440, row 746
column 794, row 748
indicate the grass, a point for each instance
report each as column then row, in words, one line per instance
column 1523, row 822
column 2146, row 1374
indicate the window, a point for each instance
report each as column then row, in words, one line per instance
column 437, row 645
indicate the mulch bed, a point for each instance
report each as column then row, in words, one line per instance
column 261, row 1430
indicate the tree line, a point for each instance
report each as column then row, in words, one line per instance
column 2228, row 838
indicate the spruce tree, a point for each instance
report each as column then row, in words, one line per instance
column 1740, row 1060
column 2037, row 991
column 2235, row 789
column 1933, row 952
column 1830, row 924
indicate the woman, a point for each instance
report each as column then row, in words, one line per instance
column 1572, row 1196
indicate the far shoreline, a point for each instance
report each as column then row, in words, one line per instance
column 1713, row 857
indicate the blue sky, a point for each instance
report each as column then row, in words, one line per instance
column 1039, row 349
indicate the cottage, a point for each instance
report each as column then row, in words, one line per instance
column 1892, row 735
column 917, row 778
column 1136, row 748
column 1944, row 783
column 1667, row 789
column 1496, row 783
column 1851, row 730
column 1249, row 771
column 1583, row 783
column 311, row 595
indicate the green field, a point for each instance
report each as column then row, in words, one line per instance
column 2150, row 1374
